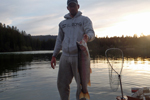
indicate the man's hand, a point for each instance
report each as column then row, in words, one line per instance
column 53, row 62
column 85, row 38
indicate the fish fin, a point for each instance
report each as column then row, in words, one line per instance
column 87, row 96
column 89, row 83
column 90, row 70
column 81, row 95
column 84, row 95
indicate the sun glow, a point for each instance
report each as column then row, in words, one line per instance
column 139, row 66
column 128, row 26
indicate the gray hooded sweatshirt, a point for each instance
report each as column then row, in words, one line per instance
column 72, row 30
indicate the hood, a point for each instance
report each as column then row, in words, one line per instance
column 67, row 16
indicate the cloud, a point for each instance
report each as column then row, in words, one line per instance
column 38, row 24
column 43, row 16
column 32, row 15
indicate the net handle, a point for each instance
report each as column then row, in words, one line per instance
column 109, row 62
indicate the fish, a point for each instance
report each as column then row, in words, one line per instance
column 84, row 68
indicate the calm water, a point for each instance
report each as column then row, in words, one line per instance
column 29, row 76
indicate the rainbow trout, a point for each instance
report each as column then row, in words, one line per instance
column 84, row 68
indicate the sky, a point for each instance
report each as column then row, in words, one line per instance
column 109, row 17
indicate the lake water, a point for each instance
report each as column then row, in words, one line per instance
column 29, row 76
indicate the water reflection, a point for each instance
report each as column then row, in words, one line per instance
column 13, row 62
column 24, row 74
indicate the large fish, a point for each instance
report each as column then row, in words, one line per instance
column 84, row 68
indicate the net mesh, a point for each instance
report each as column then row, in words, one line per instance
column 115, row 65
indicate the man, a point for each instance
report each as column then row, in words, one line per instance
column 74, row 28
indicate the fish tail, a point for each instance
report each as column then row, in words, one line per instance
column 81, row 95
column 84, row 95
column 87, row 96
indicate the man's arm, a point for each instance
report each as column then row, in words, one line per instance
column 88, row 29
column 58, row 47
column 58, row 44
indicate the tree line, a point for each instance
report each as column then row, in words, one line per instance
column 131, row 46
column 11, row 39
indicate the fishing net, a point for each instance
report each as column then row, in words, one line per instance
column 115, row 64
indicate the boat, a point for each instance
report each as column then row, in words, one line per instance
column 137, row 94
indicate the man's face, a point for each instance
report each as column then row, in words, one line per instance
column 73, row 8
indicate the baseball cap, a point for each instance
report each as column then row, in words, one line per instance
column 72, row 1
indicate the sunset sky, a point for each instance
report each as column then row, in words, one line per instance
column 109, row 17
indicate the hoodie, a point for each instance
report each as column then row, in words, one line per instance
column 72, row 30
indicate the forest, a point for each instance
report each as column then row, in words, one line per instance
column 131, row 46
column 11, row 39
